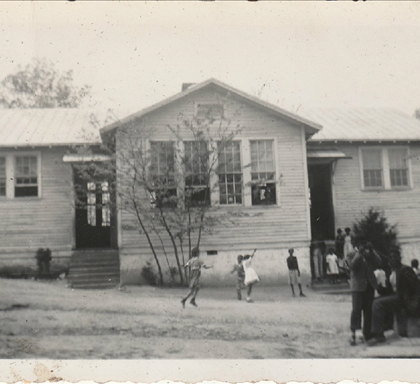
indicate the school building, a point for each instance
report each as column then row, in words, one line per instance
column 294, row 178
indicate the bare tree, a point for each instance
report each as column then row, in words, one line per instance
column 166, row 186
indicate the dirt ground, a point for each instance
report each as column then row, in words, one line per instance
column 49, row 320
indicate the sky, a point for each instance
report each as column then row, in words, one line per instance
column 292, row 54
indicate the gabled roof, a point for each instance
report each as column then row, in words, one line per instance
column 46, row 127
column 363, row 124
column 310, row 126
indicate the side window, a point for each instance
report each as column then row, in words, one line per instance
column 2, row 176
column 26, row 176
column 162, row 173
column 263, row 183
column 98, row 204
column 91, row 203
column 196, row 160
column 230, row 173
column 372, row 168
column 398, row 168
column 106, row 201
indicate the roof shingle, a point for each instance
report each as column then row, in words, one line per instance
column 46, row 127
column 363, row 124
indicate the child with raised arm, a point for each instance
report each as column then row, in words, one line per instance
column 240, row 281
column 251, row 276
column 195, row 264
column 294, row 272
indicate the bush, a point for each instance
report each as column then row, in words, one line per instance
column 148, row 274
column 28, row 272
column 375, row 228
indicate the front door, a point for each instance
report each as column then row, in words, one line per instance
column 322, row 211
column 93, row 214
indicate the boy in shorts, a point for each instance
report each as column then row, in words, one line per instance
column 294, row 273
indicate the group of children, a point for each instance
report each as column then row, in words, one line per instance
column 335, row 260
column 246, row 275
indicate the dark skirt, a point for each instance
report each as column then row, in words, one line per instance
column 195, row 278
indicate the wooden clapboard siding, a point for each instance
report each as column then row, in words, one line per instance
column 269, row 227
column 30, row 223
column 401, row 207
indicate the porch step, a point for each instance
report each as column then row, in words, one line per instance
column 95, row 285
column 325, row 287
column 94, row 269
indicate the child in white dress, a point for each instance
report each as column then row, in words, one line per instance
column 251, row 276
column 348, row 243
column 332, row 266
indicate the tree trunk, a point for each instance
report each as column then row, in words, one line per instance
column 168, row 230
column 160, row 282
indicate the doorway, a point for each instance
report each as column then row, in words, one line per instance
column 322, row 209
column 93, row 214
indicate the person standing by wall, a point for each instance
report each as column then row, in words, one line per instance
column 294, row 272
column 332, row 266
column 318, row 261
column 348, row 243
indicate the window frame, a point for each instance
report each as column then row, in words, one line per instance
column 243, row 194
column 386, row 170
column 21, row 186
column 192, row 174
column 11, row 173
column 208, row 103
column 5, row 177
column 382, row 169
column 275, row 172
column 151, row 174
column 399, row 187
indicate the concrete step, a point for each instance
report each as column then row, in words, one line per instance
column 93, row 277
column 98, row 265
column 94, row 257
column 95, row 285
column 325, row 287
column 94, row 269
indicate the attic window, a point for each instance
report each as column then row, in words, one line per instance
column 209, row 111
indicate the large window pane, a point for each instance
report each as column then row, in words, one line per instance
column 398, row 167
column 372, row 168
column 196, row 160
column 263, row 172
column 162, row 166
column 230, row 173
column 26, row 176
column 2, row 176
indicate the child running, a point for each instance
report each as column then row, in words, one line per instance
column 251, row 276
column 195, row 264
column 294, row 273
column 240, row 281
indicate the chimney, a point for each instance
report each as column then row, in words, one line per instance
column 185, row 86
